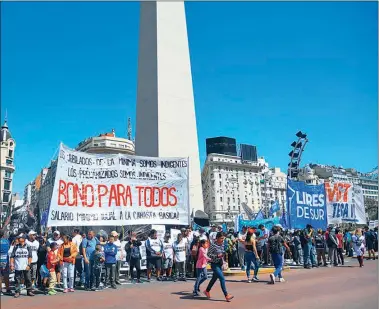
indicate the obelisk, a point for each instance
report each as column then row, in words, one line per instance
column 166, row 119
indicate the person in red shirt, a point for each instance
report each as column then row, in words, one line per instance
column 339, row 236
column 52, row 262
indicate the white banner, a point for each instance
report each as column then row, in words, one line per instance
column 117, row 189
column 345, row 203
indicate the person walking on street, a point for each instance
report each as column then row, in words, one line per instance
column 67, row 254
column 201, row 266
column 20, row 263
column 359, row 245
column 251, row 254
column 216, row 253
column 276, row 243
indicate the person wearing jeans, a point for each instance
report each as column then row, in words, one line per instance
column 276, row 244
column 119, row 256
column 241, row 247
column 88, row 247
column 67, row 254
column 201, row 266
column 216, row 254
column 251, row 254
column 110, row 252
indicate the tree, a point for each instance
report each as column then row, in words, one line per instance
column 371, row 206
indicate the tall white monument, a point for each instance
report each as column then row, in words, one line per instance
column 166, row 120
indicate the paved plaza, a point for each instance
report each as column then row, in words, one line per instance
column 346, row 287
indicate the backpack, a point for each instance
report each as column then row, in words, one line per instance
column 372, row 236
column 303, row 240
column 330, row 242
column 319, row 242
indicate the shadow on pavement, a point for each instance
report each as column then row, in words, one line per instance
column 188, row 295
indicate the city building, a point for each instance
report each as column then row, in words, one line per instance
column 221, row 145
column 32, row 190
column 274, row 186
column 107, row 143
column 227, row 182
column 166, row 117
column 46, row 191
column 7, row 169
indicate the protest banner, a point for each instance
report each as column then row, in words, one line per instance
column 174, row 234
column 161, row 230
column 117, row 189
column 268, row 223
column 306, row 205
column 345, row 203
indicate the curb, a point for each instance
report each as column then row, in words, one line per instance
column 262, row 271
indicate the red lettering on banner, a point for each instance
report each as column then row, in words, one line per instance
column 339, row 192
column 156, row 197
column 62, row 193
column 92, row 196
column 101, row 194
column 129, row 199
column 113, row 196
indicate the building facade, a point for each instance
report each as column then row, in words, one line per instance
column 227, row 182
column 274, row 186
column 7, row 169
column 107, row 143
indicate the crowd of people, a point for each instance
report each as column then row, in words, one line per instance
column 93, row 262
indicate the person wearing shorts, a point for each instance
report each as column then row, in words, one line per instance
column 168, row 255
column 45, row 274
column 154, row 248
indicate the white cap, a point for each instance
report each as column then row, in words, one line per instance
column 32, row 233
column 279, row 225
column 57, row 232
column 114, row 233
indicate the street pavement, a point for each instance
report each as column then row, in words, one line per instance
column 348, row 287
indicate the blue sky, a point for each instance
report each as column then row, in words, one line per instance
column 261, row 72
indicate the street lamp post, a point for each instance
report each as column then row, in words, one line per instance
column 295, row 154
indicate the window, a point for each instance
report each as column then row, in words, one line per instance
column 7, row 184
column 8, row 174
column 10, row 154
column 9, row 162
column 220, row 198
column 219, row 175
column 6, row 196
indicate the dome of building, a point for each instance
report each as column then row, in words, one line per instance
column 4, row 133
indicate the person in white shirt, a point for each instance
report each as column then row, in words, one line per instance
column 79, row 268
column 202, row 234
column 212, row 234
column 359, row 245
column 119, row 256
column 180, row 249
column 241, row 247
column 168, row 256
column 154, row 251
column 33, row 244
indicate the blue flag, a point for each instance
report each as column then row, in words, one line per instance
column 44, row 217
column 274, row 208
column 260, row 215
